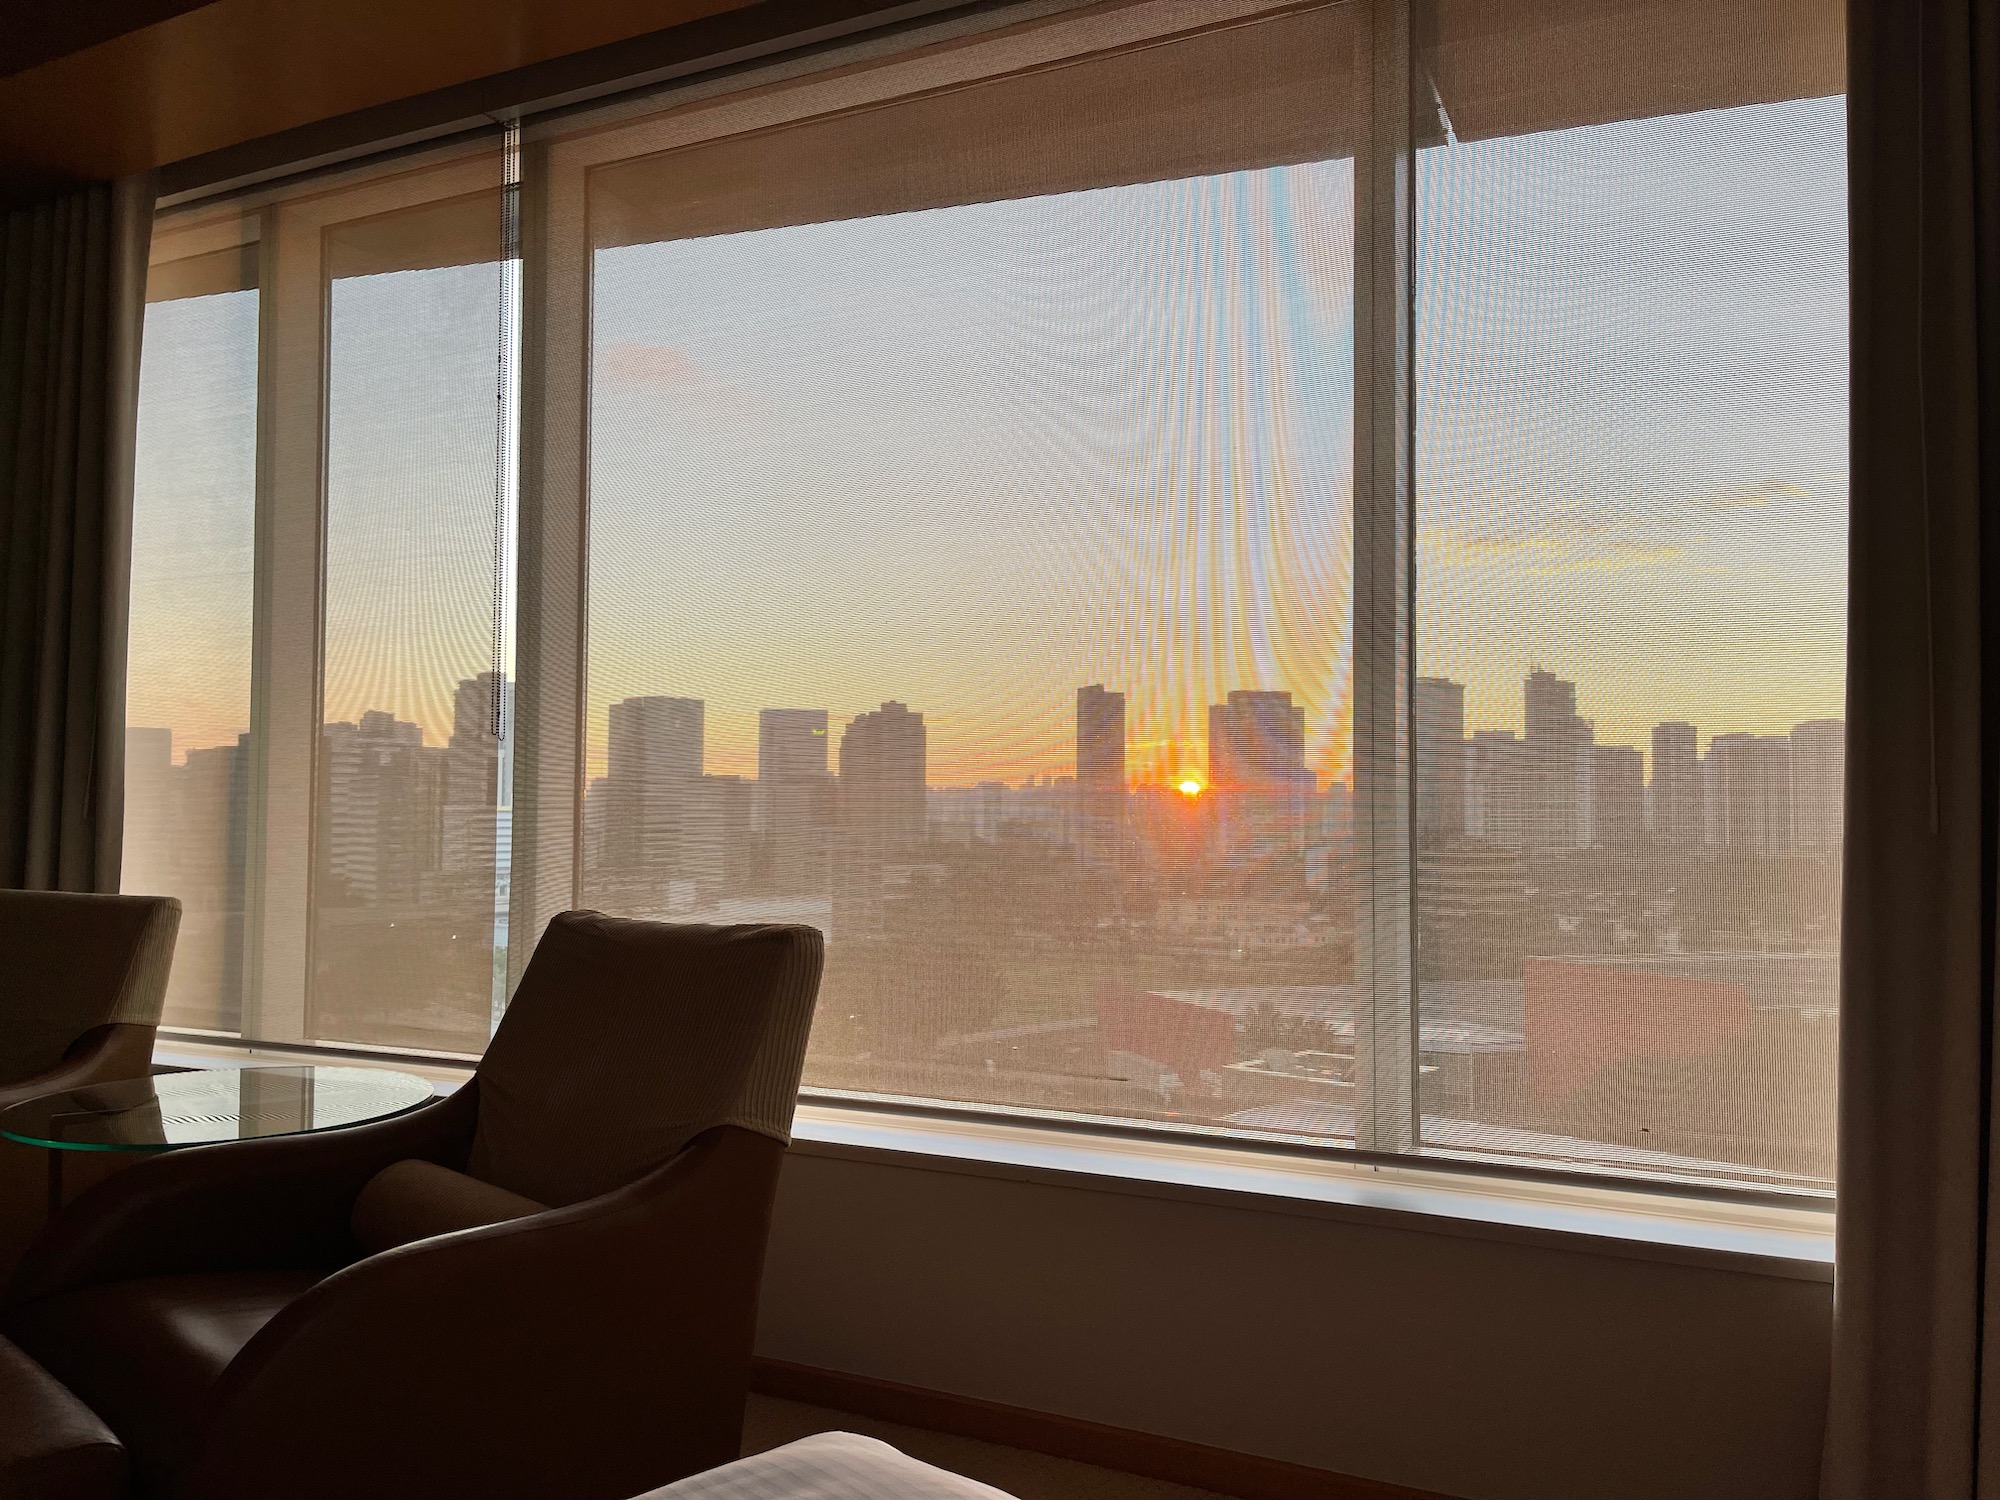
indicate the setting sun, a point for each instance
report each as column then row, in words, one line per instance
column 1189, row 788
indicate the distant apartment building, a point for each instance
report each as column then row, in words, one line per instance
column 1100, row 740
column 381, row 799
column 1747, row 779
column 653, row 766
column 146, row 862
column 185, row 836
column 883, row 755
column 1558, row 763
column 1819, row 783
column 481, row 707
column 1617, row 796
column 792, row 807
column 1257, row 775
column 1100, row 801
column 1441, row 758
column 715, row 844
column 1676, row 800
column 1498, row 785
column 1472, row 900
column 1256, row 739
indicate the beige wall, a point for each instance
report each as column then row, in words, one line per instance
column 1469, row 1365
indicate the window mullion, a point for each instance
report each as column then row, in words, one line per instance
column 548, row 744
column 1385, row 1025
column 288, row 628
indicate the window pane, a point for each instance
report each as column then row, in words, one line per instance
column 972, row 579
column 410, row 833
column 188, row 689
column 1631, row 581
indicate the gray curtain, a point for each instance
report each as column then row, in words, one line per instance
column 1915, row 1398
column 72, row 304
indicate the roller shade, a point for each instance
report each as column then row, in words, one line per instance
column 207, row 275
column 1513, row 67
column 463, row 231
column 1260, row 94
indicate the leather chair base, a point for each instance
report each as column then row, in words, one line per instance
column 52, row 1446
column 144, row 1354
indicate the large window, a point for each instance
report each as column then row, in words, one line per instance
column 1266, row 570
column 188, row 685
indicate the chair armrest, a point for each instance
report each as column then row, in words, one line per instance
column 243, row 1205
column 592, row 1351
column 103, row 1054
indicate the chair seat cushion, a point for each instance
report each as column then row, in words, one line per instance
column 52, row 1446
column 145, row 1354
column 413, row 1200
column 828, row 1466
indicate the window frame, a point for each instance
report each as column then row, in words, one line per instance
column 551, row 594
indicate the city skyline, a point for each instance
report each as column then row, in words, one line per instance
column 1624, row 559
column 695, row 748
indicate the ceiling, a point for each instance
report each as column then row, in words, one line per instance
column 97, row 89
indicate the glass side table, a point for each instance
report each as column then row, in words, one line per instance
column 170, row 1110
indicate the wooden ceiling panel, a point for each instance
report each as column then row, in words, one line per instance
column 237, row 70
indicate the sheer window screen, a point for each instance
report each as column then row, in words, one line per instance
column 348, row 515
column 939, row 515
column 188, row 690
column 410, row 823
column 956, row 458
column 1631, row 372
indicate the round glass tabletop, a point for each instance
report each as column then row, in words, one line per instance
column 212, row 1104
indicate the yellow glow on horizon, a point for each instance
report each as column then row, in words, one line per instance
column 1189, row 788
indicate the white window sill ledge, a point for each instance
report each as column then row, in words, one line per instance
column 1636, row 1222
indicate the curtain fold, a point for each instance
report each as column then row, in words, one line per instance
column 1915, row 1391
column 72, row 305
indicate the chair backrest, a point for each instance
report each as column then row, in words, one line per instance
column 70, row 963
column 626, row 1039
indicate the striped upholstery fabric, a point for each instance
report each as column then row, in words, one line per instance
column 626, row 1039
column 828, row 1466
column 75, row 962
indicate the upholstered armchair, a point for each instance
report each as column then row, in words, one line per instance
column 82, row 980
column 85, row 977
column 544, row 1285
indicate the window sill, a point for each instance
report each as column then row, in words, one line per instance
column 1785, row 1240
column 1793, row 1241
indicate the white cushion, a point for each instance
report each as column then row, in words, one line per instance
column 828, row 1466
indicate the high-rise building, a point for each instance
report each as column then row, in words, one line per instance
column 1819, row 783
column 1748, row 782
column 653, row 763
column 1558, row 763
column 1497, row 788
column 1256, row 739
column 1100, row 740
column 791, row 744
column 381, row 800
column 1258, row 781
column 209, row 865
column 1618, row 796
column 715, row 837
column 1677, row 785
column 1100, row 773
column 793, row 802
column 145, row 866
column 882, row 774
column 1440, row 759
column 480, row 707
